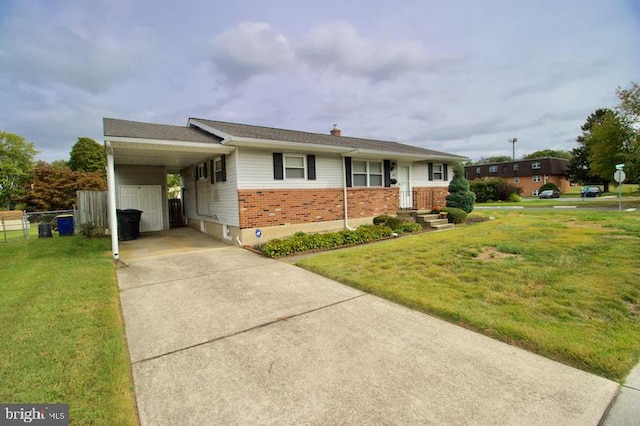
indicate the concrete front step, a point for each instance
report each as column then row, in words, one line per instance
column 443, row 226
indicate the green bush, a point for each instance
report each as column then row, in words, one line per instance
column 514, row 198
column 459, row 194
column 549, row 185
column 396, row 224
column 410, row 227
column 392, row 222
column 494, row 188
column 300, row 241
column 455, row 215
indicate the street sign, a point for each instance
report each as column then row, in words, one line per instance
column 619, row 166
column 619, row 176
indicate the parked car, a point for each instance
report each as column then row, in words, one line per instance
column 590, row 191
column 549, row 193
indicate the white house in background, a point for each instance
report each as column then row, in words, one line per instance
column 247, row 184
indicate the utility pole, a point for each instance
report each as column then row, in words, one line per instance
column 513, row 141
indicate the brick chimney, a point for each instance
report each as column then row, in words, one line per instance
column 335, row 131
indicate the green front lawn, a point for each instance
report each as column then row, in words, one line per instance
column 62, row 335
column 564, row 284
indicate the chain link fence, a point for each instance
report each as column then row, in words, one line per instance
column 17, row 225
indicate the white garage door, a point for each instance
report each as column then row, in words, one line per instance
column 147, row 198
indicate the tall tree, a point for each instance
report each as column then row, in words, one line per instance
column 87, row 155
column 16, row 164
column 610, row 142
column 580, row 170
column 629, row 108
column 54, row 187
column 549, row 153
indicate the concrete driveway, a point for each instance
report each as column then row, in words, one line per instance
column 224, row 336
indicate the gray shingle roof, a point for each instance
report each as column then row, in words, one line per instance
column 135, row 129
column 270, row 133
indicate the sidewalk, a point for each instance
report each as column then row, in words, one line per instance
column 626, row 408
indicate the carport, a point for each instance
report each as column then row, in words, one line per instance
column 139, row 156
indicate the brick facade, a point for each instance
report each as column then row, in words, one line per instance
column 425, row 198
column 262, row 208
column 368, row 202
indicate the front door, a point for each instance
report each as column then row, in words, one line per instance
column 404, row 180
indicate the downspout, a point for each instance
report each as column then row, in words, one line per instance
column 344, row 188
column 111, row 188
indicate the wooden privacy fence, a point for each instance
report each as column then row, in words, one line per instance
column 92, row 209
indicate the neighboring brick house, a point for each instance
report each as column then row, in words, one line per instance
column 246, row 184
column 529, row 174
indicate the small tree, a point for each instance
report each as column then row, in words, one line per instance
column 459, row 194
column 549, row 185
column 54, row 187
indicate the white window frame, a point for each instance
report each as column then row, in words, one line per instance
column 367, row 173
column 217, row 168
column 285, row 157
column 536, row 165
column 200, row 171
column 493, row 169
column 537, row 178
column 478, row 169
column 438, row 174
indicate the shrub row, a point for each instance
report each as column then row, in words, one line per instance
column 301, row 241
column 398, row 225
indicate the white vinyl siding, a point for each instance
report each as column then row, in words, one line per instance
column 256, row 167
column 420, row 176
column 215, row 202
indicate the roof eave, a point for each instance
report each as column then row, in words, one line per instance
column 164, row 144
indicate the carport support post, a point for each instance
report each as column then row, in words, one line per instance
column 111, row 189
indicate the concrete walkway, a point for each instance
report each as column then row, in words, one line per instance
column 224, row 336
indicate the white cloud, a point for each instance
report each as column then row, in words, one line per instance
column 338, row 47
column 249, row 49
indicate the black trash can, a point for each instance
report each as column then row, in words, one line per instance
column 128, row 224
column 44, row 230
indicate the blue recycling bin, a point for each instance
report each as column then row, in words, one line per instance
column 65, row 225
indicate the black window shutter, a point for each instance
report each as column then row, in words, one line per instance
column 223, row 160
column 213, row 170
column 278, row 171
column 387, row 173
column 347, row 168
column 204, row 170
column 430, row 169
column 311, row 167
column 445, row 172
column 195, row 173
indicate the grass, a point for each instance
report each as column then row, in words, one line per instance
column 564, row 284
column 600, row 202
column 62, row 334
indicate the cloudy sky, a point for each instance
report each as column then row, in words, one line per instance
column 460, row 76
